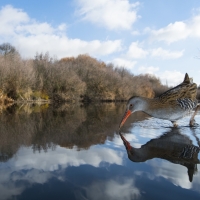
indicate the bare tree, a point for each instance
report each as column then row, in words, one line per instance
column 7, row 48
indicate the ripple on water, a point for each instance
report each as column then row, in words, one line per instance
column 152, row 128
column 156, row 123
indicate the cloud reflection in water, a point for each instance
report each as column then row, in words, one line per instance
column 112, row 190
column 176, row 150
column 38, row 168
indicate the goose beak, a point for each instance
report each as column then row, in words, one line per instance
column 125, row 117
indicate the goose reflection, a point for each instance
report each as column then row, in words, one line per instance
column 172, row 146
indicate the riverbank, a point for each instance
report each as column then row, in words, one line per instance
column 81, row 78
column 70, row 79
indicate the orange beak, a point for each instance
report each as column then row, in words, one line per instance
column 126, row 143
column 125, row 117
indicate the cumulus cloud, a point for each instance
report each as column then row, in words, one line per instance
column 30, row 36
column 118, row 143
column 166, row 54
column 175, row 174
column 41, row 167
column 121, row 62
column 171, row 77
column 113, row 190
column 63, row 46
column 34, row 28
column 21, row 23
column 177, row 31
column 10, row 18
column 112, row 14
column 148, row 70
column 66, row 157
column 171, row 33
column 135, row 51
column 135, row 32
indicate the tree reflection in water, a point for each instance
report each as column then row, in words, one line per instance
column 44, row 126
column 172, row 146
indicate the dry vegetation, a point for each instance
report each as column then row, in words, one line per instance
column 69, row 79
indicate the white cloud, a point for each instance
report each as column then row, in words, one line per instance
column 43, row 161
column 39, row 167
column 171, row 33
column 113, row 190
column 117, row 141
column 34, row 28
column 194, row 26
column 62, row 27
column 166, row 54
column 135, row 51
column 10, row 18
column 30, row 36
column 173, row 78
column 112, row 14
column 148, row 70
column 128, row 64
column 178, row 30
column 135, row 32
column 176, row 174
column 62, row 46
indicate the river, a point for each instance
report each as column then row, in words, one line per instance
column 75, row 152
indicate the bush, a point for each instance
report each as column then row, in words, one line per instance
column 70, row 79
column 16, row 74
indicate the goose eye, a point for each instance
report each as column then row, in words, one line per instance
column 131, row 105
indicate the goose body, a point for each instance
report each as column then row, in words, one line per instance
column 172, row 105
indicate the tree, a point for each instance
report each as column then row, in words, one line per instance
column 7, row 48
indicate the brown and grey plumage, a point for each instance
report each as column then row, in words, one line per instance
column 172, row 146
column 172, row 105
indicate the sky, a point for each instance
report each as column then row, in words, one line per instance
column 157, row 37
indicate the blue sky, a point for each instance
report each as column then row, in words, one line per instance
column 158, row 37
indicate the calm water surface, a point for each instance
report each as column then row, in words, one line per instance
column 73, row 152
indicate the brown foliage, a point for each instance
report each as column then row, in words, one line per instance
column 155, row 84
column 70, row 79
column 16, row 75
column 105, row 82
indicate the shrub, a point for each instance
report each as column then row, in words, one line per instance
column 70, row 79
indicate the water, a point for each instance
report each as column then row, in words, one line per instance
column 75, row 152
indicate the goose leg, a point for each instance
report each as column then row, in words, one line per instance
column 192, row 120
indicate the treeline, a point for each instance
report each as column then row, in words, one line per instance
column 69, row 79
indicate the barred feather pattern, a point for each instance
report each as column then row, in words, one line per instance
column 187, row 89
column 187, row 104
column 188, row 151
column 179, row 92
